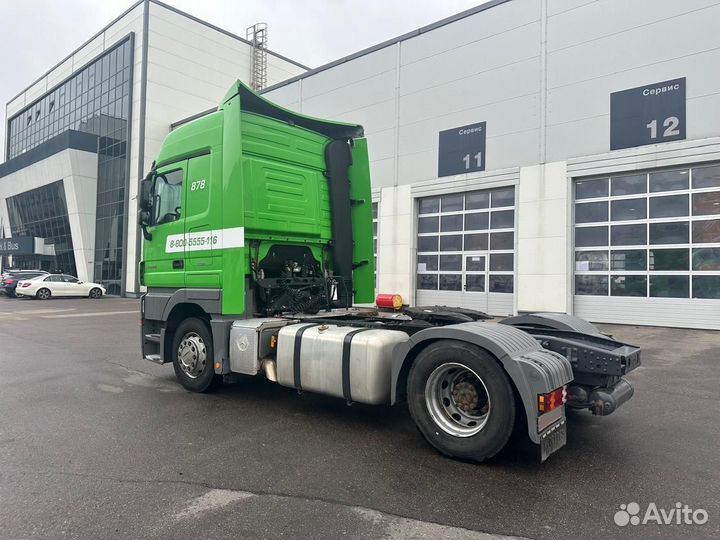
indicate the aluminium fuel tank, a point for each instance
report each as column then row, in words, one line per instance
column 342, row 361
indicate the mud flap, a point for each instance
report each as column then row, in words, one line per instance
column 553, row 439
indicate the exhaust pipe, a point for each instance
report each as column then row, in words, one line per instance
column 269, row 368
column 604, row 401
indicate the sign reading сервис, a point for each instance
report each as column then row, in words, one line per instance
column 650, row 114
column 462, row 150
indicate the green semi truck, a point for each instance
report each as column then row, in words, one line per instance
column 258, row 260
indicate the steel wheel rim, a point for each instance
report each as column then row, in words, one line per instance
column 457, row 400
column 192, row 355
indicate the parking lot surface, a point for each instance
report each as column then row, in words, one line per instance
column 97, row 443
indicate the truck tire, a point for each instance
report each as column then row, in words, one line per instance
column 192, row 356
column 461, row 400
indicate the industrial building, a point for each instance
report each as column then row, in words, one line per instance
column 526, row 155
column 79, row 137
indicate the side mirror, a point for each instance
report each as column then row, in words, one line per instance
column 146, row 195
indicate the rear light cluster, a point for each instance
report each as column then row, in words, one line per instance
column 552, row 400
column 8, row 281
column 23, row 285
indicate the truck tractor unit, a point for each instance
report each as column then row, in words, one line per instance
column 258, row 260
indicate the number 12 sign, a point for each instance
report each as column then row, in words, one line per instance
column 462, row 150
column 649, row 114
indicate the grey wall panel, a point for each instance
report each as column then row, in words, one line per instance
column 491, row 303
column 486, row 24
column 479, row 88
column 602, row 47
column 650, row 43
column 288, row 95
column 372, row 99
column 493, row 66
column 350, row 72
column 556, row 7
column 500, row 304
column 678, row 313
column 448, row 298
column 569, row 27
column 646, row 157
column 456, row 64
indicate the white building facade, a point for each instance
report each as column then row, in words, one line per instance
column 79, row 138
column 526, row 155
column 589, row 132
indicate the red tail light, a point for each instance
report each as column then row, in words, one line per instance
column 552, row 400
column 23, row 285
column 8, row 281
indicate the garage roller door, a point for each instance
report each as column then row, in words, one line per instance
column 647, row 248
column 465, row 250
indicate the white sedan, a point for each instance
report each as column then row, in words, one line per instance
column 43, row 287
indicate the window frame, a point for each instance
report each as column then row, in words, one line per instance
column 167, row 170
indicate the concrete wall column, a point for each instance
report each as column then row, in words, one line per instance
column 543, row 246
column 396, row 243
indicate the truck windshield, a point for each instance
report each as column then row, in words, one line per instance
column 168, row 197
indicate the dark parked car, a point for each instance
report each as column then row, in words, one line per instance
column 9, row 279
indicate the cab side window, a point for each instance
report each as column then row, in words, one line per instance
column 69, row 279
column 54, row 278
column 168, row 197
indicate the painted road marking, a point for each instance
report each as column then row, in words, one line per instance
column 214, row 499
column 43, row 311
column 93, row 314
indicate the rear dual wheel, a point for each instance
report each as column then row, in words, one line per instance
column 461, row 400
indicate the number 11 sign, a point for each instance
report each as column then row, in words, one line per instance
column 462, row 150
column 649, row 114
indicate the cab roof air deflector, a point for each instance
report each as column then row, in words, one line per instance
column 252, row 102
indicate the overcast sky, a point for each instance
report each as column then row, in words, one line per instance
column 36, row 34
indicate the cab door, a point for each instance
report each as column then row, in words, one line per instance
column 202, row 249
column 165, row 254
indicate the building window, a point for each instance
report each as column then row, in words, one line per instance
column 654, row 234
column 465, row 242
column 42, row 213
column 94, row 100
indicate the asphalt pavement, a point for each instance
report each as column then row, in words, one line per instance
column 97, row 443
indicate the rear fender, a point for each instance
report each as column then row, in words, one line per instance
column 557, row 321
column 532, row 369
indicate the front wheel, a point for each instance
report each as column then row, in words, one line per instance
column 461, row 400
column 192, row 355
